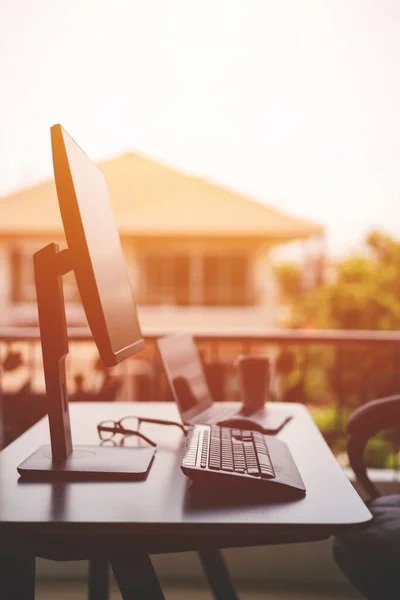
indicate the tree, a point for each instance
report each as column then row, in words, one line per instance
column 289, row 279
column 365, row 295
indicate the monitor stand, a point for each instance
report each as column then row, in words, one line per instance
column 61, row 460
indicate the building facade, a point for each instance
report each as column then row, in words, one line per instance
column 197, row 254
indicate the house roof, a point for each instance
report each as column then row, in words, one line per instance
column 152, row 199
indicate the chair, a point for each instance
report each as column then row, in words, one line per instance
column 371, row 558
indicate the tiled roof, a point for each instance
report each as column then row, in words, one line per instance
column 150, row 198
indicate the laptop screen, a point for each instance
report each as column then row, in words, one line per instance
column 185, row 374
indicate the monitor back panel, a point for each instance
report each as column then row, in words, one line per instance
column 96, row 251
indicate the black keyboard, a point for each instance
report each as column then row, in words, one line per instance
column 240, row 456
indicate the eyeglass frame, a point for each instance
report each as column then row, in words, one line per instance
column 119, row 428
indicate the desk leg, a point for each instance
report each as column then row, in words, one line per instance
column 136, row 577
column 17, row 578
column 98, row 579
column 217, row 574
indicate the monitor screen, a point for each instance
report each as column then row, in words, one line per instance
column 95, row 249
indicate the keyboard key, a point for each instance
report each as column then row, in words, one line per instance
column 253, row 470
column 267, row 474
column 215, row 466
column 239, row 469
column 264, row 460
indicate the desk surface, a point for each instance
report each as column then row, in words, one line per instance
column 161, row 505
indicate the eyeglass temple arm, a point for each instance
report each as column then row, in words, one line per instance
column 128, row 432
column 143, row 437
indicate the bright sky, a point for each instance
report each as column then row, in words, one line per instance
column 294, row 102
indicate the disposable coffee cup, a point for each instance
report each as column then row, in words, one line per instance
column 254, row 380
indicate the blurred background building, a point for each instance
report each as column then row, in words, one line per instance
column 198, row 254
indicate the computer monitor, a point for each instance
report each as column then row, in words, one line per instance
column 95, row 249
column 95, row 255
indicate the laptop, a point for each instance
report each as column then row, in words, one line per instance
column 190, row 390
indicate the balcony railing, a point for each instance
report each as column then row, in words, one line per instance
column 332, row 372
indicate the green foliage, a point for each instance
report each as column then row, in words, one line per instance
column 378, row 453
column 289, row 279
column 326, row 420
column 364, row 295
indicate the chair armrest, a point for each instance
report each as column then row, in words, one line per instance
column 365, row 422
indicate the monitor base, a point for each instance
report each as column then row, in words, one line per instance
column 89, row 463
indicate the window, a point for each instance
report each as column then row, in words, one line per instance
column 182, row 280
column 165, row 279
column 226, row 280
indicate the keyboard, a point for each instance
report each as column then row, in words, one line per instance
column 239, row 458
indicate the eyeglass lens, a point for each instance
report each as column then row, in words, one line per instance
column 107, row 435
column 130, row 423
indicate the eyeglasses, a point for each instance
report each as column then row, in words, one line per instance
column 128, row 428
